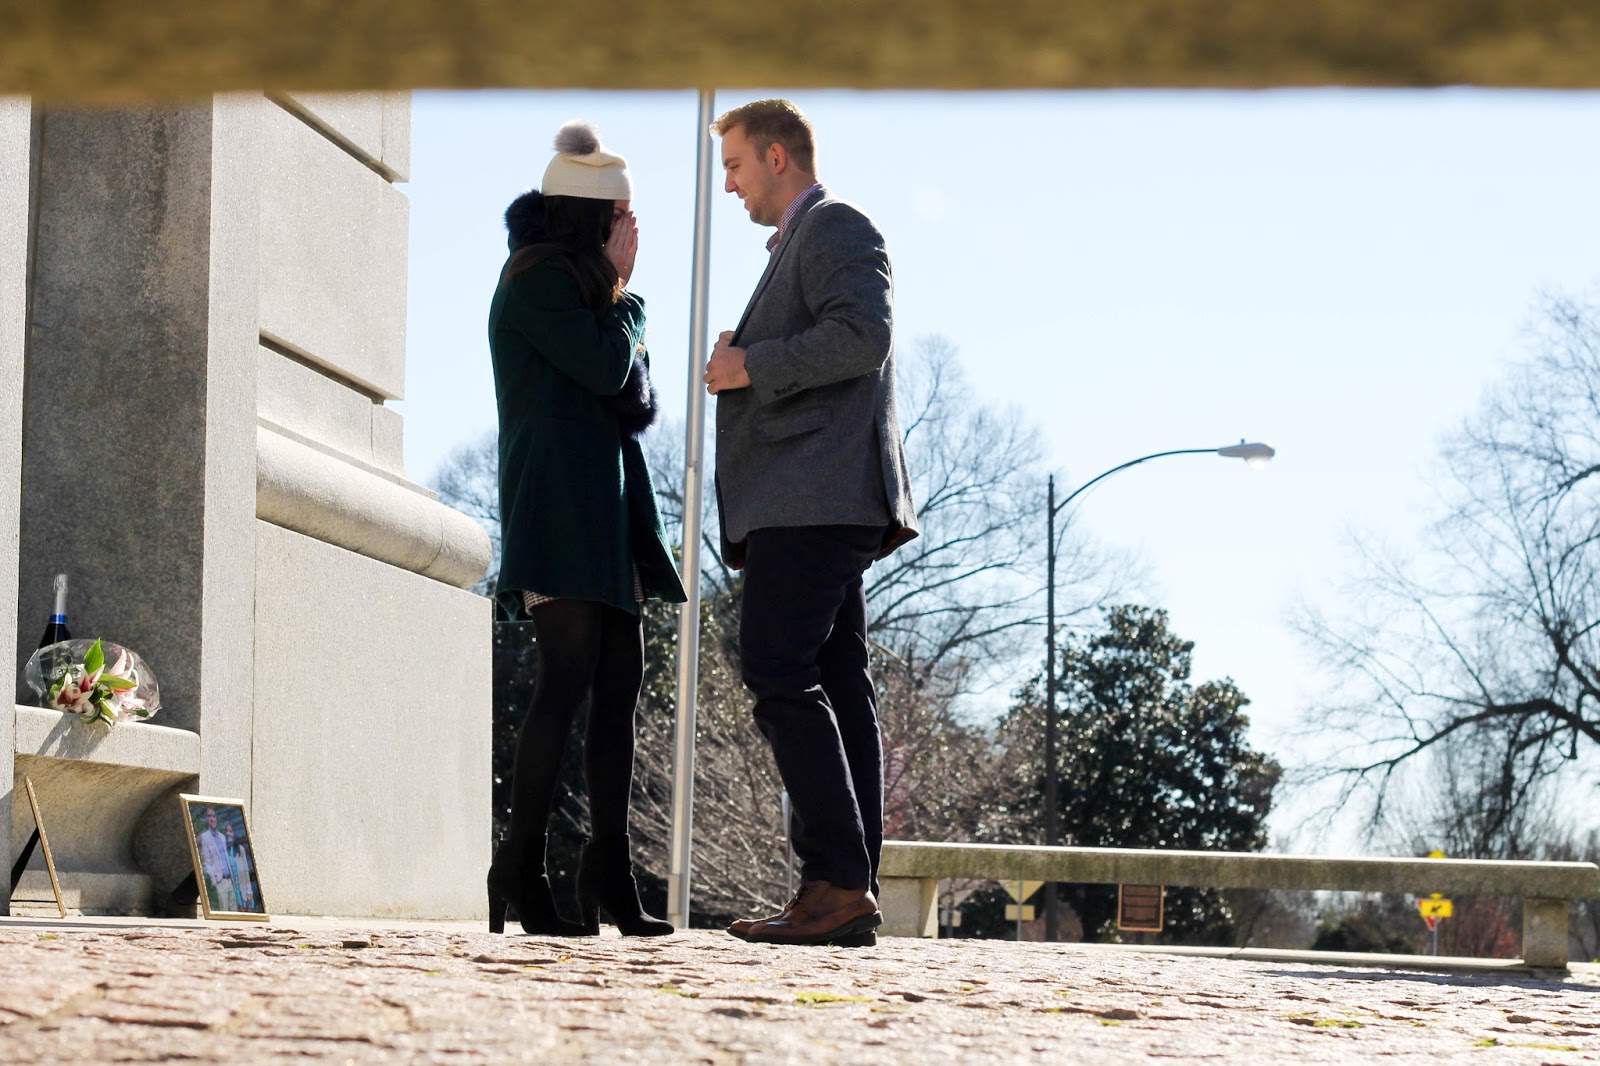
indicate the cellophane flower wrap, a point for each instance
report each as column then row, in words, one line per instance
column 94, row 679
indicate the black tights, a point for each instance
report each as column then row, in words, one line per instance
column 586, row 650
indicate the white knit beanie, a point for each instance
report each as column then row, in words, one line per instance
column 583, row 168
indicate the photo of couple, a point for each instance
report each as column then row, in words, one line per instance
column 224, row 860
column 812, row 487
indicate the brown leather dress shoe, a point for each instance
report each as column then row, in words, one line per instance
column 821, row 913
column 740, row 927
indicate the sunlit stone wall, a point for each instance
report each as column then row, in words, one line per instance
column 215, row 324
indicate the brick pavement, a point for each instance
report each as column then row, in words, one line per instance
column 353, row 992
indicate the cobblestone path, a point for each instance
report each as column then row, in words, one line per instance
column 350, row 993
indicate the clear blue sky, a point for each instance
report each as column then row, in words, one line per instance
column 1340, row 273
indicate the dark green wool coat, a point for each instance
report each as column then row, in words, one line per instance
column 577, row 508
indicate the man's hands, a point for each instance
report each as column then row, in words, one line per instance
column 726, row 370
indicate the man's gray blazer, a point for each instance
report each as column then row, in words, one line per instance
column 815, row 439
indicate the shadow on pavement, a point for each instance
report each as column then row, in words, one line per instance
column 1482, row 980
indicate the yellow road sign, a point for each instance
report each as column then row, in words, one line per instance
column 1021, row 890
column 1027, row 911
column 1435, row 908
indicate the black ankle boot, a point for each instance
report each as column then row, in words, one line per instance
column 605, row 879
column 517, row 877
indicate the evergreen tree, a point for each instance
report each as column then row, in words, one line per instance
column 1148, row 760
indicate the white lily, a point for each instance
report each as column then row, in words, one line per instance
column 70, row 693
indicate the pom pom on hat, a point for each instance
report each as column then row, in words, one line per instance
column 577, row 137
column 582, row 166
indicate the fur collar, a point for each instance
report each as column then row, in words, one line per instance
column 525, row 219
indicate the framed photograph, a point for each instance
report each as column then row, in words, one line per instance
column 43, row 842
column 224, row 858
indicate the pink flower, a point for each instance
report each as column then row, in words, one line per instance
column 70, row 693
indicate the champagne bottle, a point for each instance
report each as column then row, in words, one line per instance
column 56, row 629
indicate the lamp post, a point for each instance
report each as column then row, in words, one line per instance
column 1255, row 454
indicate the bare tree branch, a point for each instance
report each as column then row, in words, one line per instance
column 1487, row 642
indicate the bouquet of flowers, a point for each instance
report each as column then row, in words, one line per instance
column 72, row 676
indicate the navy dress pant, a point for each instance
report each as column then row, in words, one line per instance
column 803, row 652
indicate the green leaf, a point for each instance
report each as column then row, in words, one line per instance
column 117, row 684
column 94, row 658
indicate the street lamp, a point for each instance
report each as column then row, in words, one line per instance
column 1254, row 454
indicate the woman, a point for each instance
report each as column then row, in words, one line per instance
column 244, row 892
column 581, row 537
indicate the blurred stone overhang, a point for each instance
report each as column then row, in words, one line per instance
column 122, row 51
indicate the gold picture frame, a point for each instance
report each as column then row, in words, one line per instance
column 44, row 846
column 224, row 858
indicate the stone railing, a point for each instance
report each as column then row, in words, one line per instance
column 910, row 872
column 338, row 501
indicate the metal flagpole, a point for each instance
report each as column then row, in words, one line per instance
column 693, row 497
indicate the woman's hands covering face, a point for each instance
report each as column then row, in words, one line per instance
column 623, row 244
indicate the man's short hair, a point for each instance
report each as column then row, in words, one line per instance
column 769, row 122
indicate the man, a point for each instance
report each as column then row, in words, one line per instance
column 812, row 486
column 214, row 861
